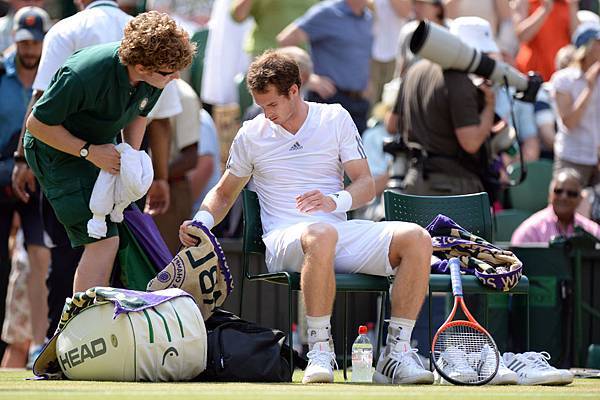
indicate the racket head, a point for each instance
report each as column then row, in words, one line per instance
column 464, row 353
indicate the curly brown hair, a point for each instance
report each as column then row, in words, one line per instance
column 154, row 40
column 273, row 68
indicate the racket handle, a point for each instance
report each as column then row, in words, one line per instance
column 454, row 265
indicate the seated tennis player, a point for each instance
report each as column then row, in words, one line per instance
column 297, row 153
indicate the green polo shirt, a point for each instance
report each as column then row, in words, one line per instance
column 90, row 95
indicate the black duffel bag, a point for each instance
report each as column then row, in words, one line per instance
column 242, row 351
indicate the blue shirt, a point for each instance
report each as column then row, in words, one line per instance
column 340, row 43
column 14, row 98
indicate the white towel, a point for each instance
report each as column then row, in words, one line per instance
column 113, row 193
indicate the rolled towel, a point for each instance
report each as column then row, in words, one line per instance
column 101, row 203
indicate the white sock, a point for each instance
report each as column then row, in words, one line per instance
column 405, row 327
column 318, row 329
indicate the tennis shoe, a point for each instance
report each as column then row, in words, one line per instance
column 532, row 369
column 504, row 376
column 455, row 364
column 542, row 358
column 397, row 366
column 321, row 361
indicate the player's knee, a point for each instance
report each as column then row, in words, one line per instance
column 411, row 239
column 319, row 236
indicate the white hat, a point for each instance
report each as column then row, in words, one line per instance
column 476, row 32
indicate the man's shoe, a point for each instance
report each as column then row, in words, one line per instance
column 532, row 370
column 542, row 358
column 504, row 376
column 400, row 367
column 321, row 361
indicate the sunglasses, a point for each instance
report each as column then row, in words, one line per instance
column 570, row 193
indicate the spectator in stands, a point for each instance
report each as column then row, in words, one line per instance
column 388, row 18
column 7, row 21
column 182, row 159
column 270, row 17
column 577, row 96
column 560, row 217
column 340, row 36
column 543, row 27
column 31, row 24
column 447, row 148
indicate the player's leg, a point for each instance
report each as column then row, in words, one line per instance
column 318, row 288
column 96, row 264
column 410, row 256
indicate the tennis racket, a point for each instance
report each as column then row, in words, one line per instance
column 463, row 352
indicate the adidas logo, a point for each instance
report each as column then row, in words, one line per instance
column 296, row 146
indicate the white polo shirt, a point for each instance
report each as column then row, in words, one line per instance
column 285, row 165
column 100, row 22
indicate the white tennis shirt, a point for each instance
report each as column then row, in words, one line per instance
column 285, row 165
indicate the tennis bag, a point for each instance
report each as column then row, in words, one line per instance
column 108, row 334
column 242, row 351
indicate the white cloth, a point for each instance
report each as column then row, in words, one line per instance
column 100, row 22
column 362, row 247
column 386, row 31
column 225, row 56
column 113, row 193
column 580, row 144
column 285, row 165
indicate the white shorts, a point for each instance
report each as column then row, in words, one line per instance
column 362, row 247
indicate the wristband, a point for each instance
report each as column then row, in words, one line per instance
column 342, row 199
column 206, row 218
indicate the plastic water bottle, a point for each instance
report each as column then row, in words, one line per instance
column 297, row 343
column 362, row 357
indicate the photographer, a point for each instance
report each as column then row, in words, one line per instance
column 445, row 120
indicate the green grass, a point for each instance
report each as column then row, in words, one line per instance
column 13, row 386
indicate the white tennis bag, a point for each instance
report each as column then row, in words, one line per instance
column 163, row 342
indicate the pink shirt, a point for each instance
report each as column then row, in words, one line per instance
column 543, row 225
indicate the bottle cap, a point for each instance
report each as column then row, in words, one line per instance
column 362, row 330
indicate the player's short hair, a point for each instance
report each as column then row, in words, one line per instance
column 155, row 41
column 273, row 68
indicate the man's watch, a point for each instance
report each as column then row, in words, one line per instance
column 84, row 151
column 19, row 157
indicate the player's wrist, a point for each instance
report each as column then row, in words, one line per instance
column 342, row 200
column 206, row 218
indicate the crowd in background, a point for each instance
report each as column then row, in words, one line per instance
column 455, row 131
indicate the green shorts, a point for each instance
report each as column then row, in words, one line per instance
column 67, row 182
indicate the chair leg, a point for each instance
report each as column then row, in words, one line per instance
column 486, row 310
column 429, row 329
column 381, row 337
column 290, row 335
column 527, row 322
column 241, row 294
column 345, row 334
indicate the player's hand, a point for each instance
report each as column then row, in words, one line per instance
column 106, row 157
column 23, row 181
column 314, row 201
column 186, row 240
column 158, row 199
column 322, row 85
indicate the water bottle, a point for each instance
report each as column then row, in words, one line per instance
column 296, row 342
column 362, row 357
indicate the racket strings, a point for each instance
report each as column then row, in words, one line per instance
column 465, row 354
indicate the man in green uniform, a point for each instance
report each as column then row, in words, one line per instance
column 98, row 93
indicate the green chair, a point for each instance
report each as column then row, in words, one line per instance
column 507, row 221
column 245, row 99
column 197, row 68
column 345, row 283
column 532, row 194
column 472, row 212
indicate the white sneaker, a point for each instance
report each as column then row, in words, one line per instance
column 532, row 370
column 542, row 358
column 504, row 376
column 321, row 361
column 455, row 363
column 398, row 366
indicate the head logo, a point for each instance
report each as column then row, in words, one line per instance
column 171, row 351
column 78, row 355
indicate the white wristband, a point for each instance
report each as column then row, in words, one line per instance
column 206, row 218
column 342, row 199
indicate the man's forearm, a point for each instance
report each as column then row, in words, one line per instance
column 55, row 136
column 362, row 191
column 133, row 134
column 159, row 139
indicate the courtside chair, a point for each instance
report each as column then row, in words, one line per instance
column 532, row 194
column 345, row 283
column 472, row 212
column 507, row 221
